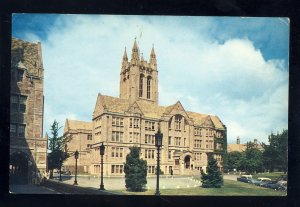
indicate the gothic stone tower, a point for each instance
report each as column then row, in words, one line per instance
column 138, row 78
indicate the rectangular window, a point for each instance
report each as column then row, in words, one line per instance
column 89, row 137
column 121, row 152
column 169, row 154
column 20, row 75
column 169, row 141
column 14, row 103
column 113, row 169
column 13, row 130
column 113, row 149
column 23, row 104
column 21, row 130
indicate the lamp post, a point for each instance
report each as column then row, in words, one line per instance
column 60, row 164
column 76, row 157
column 158, row 144
column 102, row 150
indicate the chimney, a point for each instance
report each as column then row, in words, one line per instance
column 255, row 141
column 238, row 141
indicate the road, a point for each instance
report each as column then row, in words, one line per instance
column 30, row 189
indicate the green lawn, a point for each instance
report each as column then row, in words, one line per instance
column 230, row 188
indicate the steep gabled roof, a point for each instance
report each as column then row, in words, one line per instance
column 77, row 125
column 111, row 104
column 151, row 110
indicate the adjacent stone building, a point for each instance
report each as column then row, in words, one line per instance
column 242, row 147
column 81, row 140
column 133, row 118
column 28, row 148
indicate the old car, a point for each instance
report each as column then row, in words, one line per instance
column 245, row 178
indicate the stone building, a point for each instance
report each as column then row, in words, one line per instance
column 133, row 118
column 242, row 147
column 28, row 149
column 81, row 133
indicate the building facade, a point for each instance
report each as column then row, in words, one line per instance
column 133, row 118
column 81, row 140
column 28, row 148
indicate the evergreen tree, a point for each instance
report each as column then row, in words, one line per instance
column 57, row 147
column 135, row 170
column 213, row 178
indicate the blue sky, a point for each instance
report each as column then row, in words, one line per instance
column 236, row 68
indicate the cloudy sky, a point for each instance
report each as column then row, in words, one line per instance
column 235, row 68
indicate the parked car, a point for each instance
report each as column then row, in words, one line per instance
column 245, row 178
column 255, row 181
column 282, row 180
column 262, row 181
column 275, row 185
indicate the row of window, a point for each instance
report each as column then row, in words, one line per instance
column 197, row 156
column 141, row 86
column 149, row 153
column 17, row 130
column 116, row 152
column 116, row 169
column 177, row 141
column 134, row 137
column 18, row 103
column 134, row 122
column 117, row 121
column 197, row 143
column 117, row 136
column 151, row 169
column 149, row 139
column 149, row 126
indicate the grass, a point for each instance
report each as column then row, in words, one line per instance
column 230, row 188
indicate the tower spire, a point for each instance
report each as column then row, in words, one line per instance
column 135, row 57
column 153, row 58
column 125, row 59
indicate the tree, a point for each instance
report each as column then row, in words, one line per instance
column 57, row 146
column 275, row 154
column 234, row 160
column 251, row 160
column 213, row 178
column 135, row 171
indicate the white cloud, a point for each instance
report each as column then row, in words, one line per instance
column 82, row 57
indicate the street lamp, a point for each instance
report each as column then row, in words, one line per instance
column 60, row 164
column 76, row 157
column 102, row 150
column 158, row 144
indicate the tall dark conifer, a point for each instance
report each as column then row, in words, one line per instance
column 135, row 171
column 213, row 178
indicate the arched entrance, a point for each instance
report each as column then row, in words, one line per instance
column 18, row 168
column 187, row 162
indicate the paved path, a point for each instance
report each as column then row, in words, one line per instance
column 30, row 189
column 230, row 176
column 118, row 183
